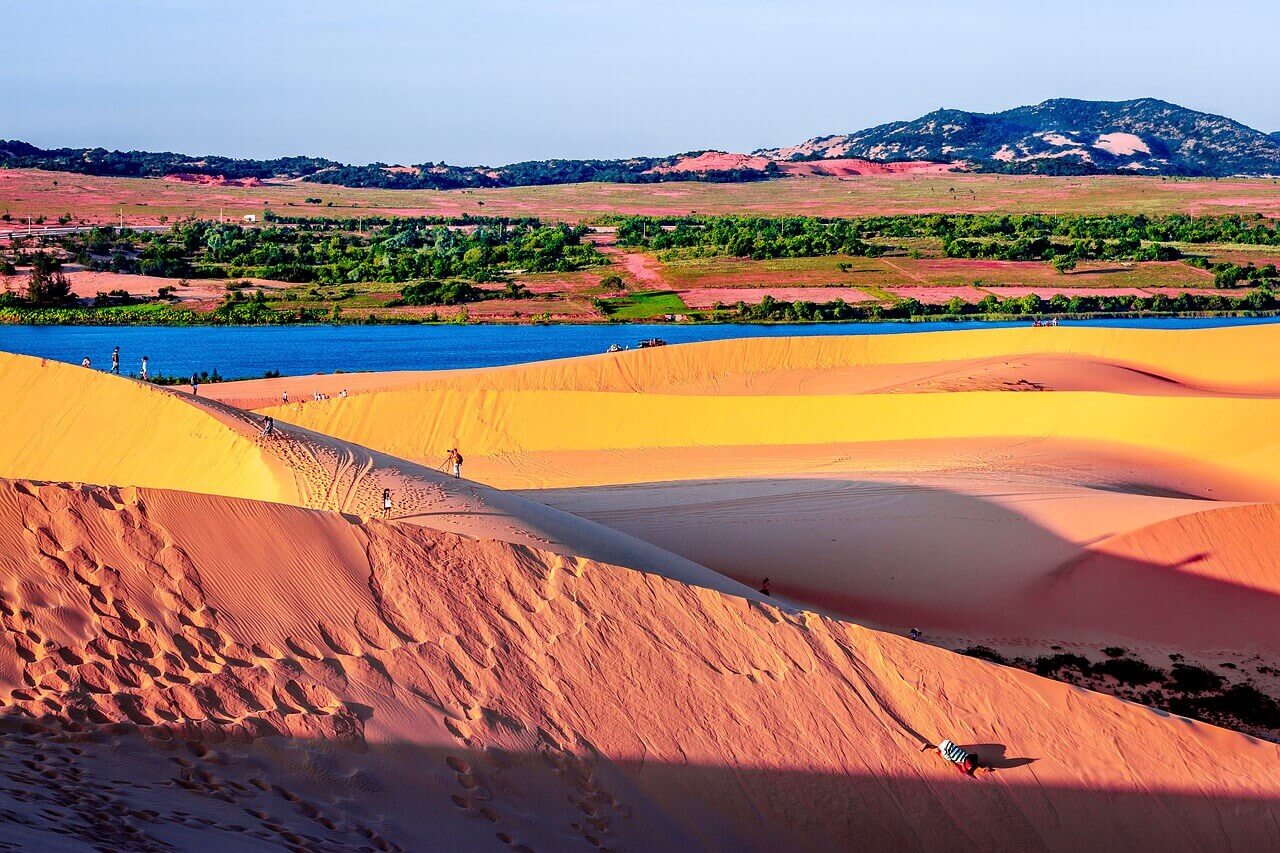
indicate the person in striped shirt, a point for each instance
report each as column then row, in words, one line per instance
column 966, row 762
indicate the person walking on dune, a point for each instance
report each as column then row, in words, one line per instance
column 142, row 374
column 455, row 459
column 115, row 361
column 966, row 762
column 268, row 425
column 386, row 503
column 284, row 396
column 764, row 588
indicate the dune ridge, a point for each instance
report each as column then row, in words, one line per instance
column 881, row 477
column 1231, row 360
column 435, row 688
column 65, row 423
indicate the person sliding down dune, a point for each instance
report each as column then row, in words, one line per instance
column 966, row 762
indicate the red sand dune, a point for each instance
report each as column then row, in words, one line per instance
column 327, row 684
column 217, row 670
column 712, row 161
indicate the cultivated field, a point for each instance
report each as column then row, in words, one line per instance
column 147, row 200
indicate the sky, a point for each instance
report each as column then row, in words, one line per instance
column 498, row 81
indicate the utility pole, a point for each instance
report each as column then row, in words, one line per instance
column 122, row 217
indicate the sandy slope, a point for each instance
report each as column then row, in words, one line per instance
column 1231, row 360
column 70, row 424
column 895, row 479
column 176, row 672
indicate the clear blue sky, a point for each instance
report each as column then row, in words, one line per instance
column 494, row 81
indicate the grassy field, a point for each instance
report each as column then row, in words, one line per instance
column 33, row 193
column 643, row 305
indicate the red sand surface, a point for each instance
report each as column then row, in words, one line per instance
column 194, row 670
column 211, row 180
column 937, row 295
column 706, row 297
column 1048, row 292
column 712, row 161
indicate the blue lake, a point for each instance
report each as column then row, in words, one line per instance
column 249, row 351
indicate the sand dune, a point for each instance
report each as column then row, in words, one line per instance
column 225, row 646
column 65, row 423
column 390, row 687
column 1225, row 360
column 893, row 479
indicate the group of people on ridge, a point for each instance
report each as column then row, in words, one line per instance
column 115, row 364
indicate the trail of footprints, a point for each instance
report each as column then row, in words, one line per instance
column 179, row 691
column 185, row 692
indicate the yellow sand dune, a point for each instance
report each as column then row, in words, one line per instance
column 1235, row 360
column 644, row 437
column 924, row 498
column 65, row 423
column 176, row 673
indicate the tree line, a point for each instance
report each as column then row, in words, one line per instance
column 1131, row 237
column 331, row 253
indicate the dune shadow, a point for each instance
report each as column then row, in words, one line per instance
column 877, row 551
column 993, row 755
column 582, row 797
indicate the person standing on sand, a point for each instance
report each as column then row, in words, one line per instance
column 284, row 396
column 764, row 587
column 115, row 361
column 195, row 385
column 143, row 374
column 386, row 503
column 343, row 394
column 84, row 362
column 455, row 459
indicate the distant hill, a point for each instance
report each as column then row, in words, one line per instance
column 1063, row 136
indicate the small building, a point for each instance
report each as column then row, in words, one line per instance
column 251, row 218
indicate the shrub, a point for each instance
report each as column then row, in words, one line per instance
column 439, row 293
column 1195, row 679
column 1130, row 671
column 985, row 653
column 1049, row 664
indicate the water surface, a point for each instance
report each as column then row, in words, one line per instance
column 248, row 351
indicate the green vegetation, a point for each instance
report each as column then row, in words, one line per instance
column 334, row 252
column 773, row 310
column 643, row 305
column 988, row 236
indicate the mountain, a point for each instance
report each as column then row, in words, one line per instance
column 1060, row 136
column 1063, row 136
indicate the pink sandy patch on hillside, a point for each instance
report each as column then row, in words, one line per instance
column 211, row 180
column 937, row 295
column 712, row 161
column 846, row 167
column 86, row 284
column 1171, row 292
column 706, row 297
column 1050, row 292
